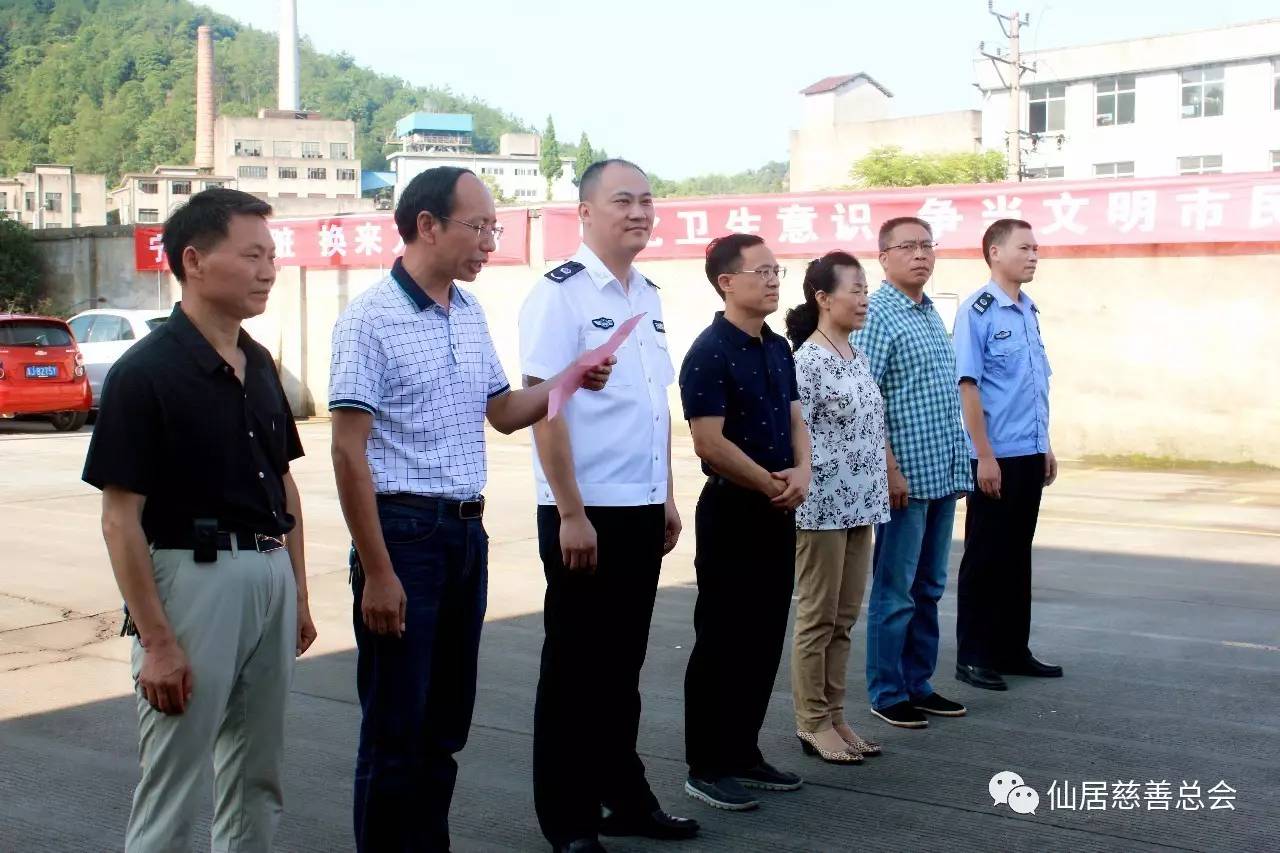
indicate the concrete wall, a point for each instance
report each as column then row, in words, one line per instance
column 83, row 264
column 821, row 156
column 1147, row 356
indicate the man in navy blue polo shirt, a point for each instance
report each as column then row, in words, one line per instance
column 1004, row 387
column 738, row 387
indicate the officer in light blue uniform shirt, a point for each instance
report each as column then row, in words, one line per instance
column 1003, row 371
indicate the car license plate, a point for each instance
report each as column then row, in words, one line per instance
column 42, row 371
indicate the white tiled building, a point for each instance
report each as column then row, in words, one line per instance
column 1187, row 103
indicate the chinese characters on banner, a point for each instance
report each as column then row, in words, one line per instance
column 343, row 241
column 1192, row 209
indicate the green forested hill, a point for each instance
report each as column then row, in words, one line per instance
column 109, row 85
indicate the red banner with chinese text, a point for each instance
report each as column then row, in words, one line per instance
column 1190, row 209
column 342, row 241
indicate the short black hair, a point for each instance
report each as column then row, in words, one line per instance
column 431, row 192
column 591, row 176
column 886, row 230
column 724, row 255
column 999, row 231
column 205, row 221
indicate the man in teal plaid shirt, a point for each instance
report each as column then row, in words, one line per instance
column 913, row 362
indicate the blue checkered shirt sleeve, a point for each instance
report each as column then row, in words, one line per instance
column 357, row 369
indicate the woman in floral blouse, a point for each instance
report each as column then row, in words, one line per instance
column 849, row 494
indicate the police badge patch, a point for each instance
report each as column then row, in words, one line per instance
column 658, row 327
column 603, row 323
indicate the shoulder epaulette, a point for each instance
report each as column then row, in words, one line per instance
column 983, row 302
column 651, row 284
column 565, row 271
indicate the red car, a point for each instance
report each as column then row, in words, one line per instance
column 42, row 371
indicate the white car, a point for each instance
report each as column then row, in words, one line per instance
column 105, row 333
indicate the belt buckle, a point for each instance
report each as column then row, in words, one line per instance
column 468, row 510
column 265, row 544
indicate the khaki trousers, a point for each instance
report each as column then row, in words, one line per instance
column 831, row 576
column 237, row 622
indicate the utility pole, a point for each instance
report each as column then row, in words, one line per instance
column 1010, row 26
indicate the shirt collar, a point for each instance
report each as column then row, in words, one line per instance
column 1003, row 300
column 599, row 272
column 206, row 357
column 417, row 295
column 904, row 300
column 735, row 335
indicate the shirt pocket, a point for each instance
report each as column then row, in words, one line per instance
column 624, row 372
column 665, row 370
column 1004, row 353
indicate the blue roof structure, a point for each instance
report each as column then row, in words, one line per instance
column 439, row 122
column 371, row 181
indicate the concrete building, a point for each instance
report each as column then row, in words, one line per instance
column 280, row 156
column 54, row 196
column 429, row 140
column 847, row 116
column 1187, row 103
column 148, row 198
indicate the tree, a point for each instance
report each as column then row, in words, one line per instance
column 499, row 198
column 19, row 268
column 892, row 167
column 772, row 177
column 552, row 168
column 585, row 156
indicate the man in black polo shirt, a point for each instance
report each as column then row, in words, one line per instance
column 191, row 450
column 738, row 386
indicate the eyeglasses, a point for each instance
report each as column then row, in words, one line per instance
column 913, row 246
column 767, row 272
column 481, row 231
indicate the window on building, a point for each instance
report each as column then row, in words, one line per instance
column 4, row 201
column 53, row 202
column 1202, row 92
column 1041, row 173
column 282, row 149
column 317, row 174
column 1122, row 169
column 287, row 173
column 1048, row 107
column 149, row 187
column 148, row 214
column 339, row 151
column 1206, row 164
column 252, row 171
column 1275, row 161
column 212, row 185
column 311, row 150
column 29, row 200
column 1115, row 100
column 346, row 174
column 75, row 203
column 248, row 148
column 52, row 224
column 181, row 188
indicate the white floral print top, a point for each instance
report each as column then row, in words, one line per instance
column 845, row 414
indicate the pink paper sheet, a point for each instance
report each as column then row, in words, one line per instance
column 572, row 379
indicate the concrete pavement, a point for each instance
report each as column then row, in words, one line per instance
column 1159, row 593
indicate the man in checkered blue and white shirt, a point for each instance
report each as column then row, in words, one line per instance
column 913, row 362
column 414, row 376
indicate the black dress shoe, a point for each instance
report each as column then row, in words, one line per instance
column 1034, row 668
column 980, row 676
column 657, row 824
column 581, row 845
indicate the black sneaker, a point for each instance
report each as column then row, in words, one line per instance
column 769, row 778
column 935, row 704
column 722, row 793
column 903, row 715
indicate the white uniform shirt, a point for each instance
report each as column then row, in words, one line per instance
column 618, row 435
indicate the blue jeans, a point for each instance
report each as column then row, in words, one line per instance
column 417, row 691
column 909, row 575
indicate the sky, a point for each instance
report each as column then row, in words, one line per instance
column 688, row 87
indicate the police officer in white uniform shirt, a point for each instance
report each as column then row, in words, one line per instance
column 606, row 518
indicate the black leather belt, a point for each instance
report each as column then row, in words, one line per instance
column 260, row 542
column 466, row 510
